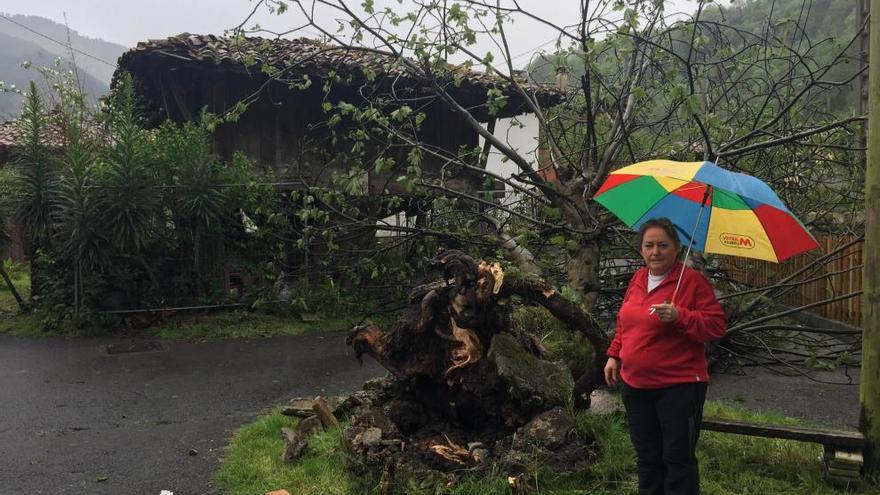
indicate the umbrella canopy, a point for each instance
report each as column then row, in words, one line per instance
column 741, row 215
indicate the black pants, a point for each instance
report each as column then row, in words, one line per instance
column 664, row 425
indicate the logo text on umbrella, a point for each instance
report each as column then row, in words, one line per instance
column 738, row 241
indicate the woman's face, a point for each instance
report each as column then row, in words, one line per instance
column 658, row 250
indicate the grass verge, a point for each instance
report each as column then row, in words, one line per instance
column 202, row 327
column 182, row 326
column 11, row 320
column 729, row 464
column 253, row 462
column 242, row 324
column 18, row 273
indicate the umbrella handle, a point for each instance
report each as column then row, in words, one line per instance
column 691, row 242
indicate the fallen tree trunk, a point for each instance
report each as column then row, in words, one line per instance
column 468, row 388
column 444, row 343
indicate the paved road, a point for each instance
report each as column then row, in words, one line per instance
column 71, row 415
column 824, row 399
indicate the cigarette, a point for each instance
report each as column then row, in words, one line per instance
column 652, row 311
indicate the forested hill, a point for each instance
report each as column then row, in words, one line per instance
column 823, row 19
column 19, row 42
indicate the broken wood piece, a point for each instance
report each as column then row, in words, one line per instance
column 490, row 278
column 518, row 484
column 301, row 407
column 297, row 439
column 452, row 452
column 323, row 411
column 469, row 351
column 385, row 480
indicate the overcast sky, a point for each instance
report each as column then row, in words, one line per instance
column 128, row 21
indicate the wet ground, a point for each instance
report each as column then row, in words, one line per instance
column 828, row 398
column 77, row 420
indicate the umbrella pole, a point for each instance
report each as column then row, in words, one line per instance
column 691, row 243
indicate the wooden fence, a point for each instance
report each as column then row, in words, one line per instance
column 838, row 275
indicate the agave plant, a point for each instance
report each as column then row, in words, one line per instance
column 37, row 175
column 77, row 212
column 129, row 199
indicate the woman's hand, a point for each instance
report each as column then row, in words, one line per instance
column 612, row 371
column 666, row 312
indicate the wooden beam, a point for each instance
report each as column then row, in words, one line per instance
column 172, row 86
column 869, row 396
column 852, row 439
column 324, row 413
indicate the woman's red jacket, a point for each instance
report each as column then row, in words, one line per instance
column 654, row 354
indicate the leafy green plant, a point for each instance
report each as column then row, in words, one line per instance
column 37, row 174
column 128, row 199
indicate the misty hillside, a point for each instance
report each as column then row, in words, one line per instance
column 825, row 19
column 17, row 45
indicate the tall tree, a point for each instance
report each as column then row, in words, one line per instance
column 692, row 89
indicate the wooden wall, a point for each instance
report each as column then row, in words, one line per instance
column 282, row 129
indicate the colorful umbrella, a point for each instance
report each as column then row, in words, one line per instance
column 715, row 210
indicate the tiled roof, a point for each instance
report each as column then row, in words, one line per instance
column 296, row 57
column 8, row 134
column 11, row 135
column 53, row 136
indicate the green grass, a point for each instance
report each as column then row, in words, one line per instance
column 11, row 321
column 23, row 325
column 253, row 462
column 221, row 325
column 242, row 324
column 739, row 464
column 729, row 464
column 22, row 282
column 183, row 326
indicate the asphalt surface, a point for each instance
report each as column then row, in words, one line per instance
column 827, row 399
column 77, row 420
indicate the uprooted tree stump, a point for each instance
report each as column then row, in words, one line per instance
column 463, row 379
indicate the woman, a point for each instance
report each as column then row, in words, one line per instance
column 658, row 353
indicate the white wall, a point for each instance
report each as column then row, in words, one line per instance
column 521, row 134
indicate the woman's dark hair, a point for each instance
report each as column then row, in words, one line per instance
column 660, row 223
